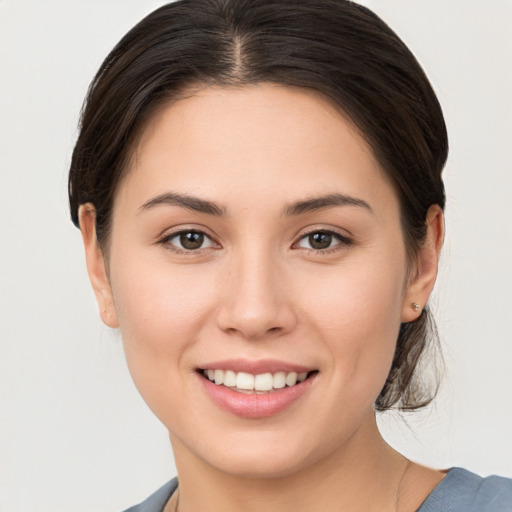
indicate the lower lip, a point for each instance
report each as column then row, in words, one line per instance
column 255, row 405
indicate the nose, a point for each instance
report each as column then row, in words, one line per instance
column 256, row 303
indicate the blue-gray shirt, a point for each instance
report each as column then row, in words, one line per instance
column 458, row 491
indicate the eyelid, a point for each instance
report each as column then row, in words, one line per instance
column 184, row 228
column 345, row 240
column 344, row 234
column 165, row 238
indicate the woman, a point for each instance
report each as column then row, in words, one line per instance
column 258, row 186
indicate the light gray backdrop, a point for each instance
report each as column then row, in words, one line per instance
column 74, row 435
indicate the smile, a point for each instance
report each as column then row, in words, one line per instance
column 257, row 390
column 263, row 383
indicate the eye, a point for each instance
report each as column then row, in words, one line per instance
column 321, row 240
column 190, row 240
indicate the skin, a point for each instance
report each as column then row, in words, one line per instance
column 257, row 290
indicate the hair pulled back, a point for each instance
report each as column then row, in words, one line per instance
column 336, row 47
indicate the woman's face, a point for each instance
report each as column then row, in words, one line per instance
column 255, row 234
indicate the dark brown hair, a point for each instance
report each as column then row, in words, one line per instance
column 336, row 47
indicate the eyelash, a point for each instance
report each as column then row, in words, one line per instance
column 342, row 242
column 166, row 241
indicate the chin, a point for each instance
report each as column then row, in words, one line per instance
column 262, row 466
column 261, row 456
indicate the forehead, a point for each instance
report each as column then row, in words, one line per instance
column 261, row 139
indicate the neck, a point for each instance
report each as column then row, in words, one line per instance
column 361, row 475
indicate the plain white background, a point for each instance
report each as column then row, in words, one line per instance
column 74, row 435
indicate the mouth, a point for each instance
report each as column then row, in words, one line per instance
column 256, row 389
column 259, row 384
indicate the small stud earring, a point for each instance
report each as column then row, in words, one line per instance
column 416, row 306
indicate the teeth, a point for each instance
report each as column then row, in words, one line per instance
column 301, row 376
column 244, row 380
column 291, row 379
column 264, row 382
column 229, row 378
column 279, row 380
column 248, row 383
column 219, row 377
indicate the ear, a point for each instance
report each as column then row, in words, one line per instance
column 96, row 266
column 423, row 279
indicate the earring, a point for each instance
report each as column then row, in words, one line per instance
column 416, row 306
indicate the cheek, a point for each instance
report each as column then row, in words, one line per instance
column 154, row 298
column 358, row 312
column 161, row 314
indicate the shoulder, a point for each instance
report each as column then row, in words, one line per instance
column 463, row 491
column 156, row 502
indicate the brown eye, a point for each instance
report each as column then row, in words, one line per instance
column 189, row 240
column 320, row 240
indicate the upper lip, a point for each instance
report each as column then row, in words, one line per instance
column 256, row 367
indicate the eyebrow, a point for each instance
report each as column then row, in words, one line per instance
column 185, row 201
column 297, row 208
column 323, row 202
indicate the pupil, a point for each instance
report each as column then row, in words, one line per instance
column 320, row 240
column 192, row 240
